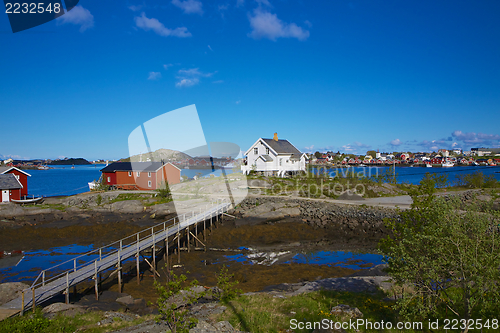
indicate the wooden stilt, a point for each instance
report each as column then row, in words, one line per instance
column 119, row 272
column 96, row 282
column 67, row 288
column 33, row 300
column 166, row 252
column 137, row 261
column 137, row 268
column 188, row 240
column 154, row 262
column 178, row 248
column 196, row 233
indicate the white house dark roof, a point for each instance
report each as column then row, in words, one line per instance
column 282, row 146
column 9, row 182
column 267, row 158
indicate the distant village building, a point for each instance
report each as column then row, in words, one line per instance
column 274, row 157
column 13, row 183
column 485, row 151
column 444, row 152
column 141, row 175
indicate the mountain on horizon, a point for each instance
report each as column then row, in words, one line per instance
column 167, row 155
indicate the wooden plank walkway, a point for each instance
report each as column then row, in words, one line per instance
column 43, row 291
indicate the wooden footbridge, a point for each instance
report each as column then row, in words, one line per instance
column 58, row 279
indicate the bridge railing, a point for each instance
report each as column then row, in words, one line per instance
column 93, row 257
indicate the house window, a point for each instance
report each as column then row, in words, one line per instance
column 138, row 173
column 149, row 183
column 130, row 173
column 281, row 161
column 267, row 151
column 256, row 151
column 109, row 180
column 149, row 174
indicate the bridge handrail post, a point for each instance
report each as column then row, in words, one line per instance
column 74, row 265
column 43, row 278
column 121, row 244
column 100, row 253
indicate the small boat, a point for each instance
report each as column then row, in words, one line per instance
column 93, row 185
column 43, row 167
column 428, row 165
column 28, row 201
column 447, row 164
column 228, row 166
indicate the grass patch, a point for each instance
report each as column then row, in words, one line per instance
column 130, row 196
column 87, row 322
column 60, row 207
column 265, row 313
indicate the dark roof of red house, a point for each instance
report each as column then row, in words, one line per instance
column 9, row 182
column 133, row 166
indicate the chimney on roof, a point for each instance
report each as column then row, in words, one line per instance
column 275, row 137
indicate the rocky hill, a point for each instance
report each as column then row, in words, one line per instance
column 168, row 155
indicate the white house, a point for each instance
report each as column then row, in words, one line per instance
column 274, row 157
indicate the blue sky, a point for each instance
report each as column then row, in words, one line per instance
column 326, row 75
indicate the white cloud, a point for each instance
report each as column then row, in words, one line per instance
column 190, row 77
column 218, row 81
column 308, row 23
column 264, row 2
column 210, row 48
column 356, row 147
column 154, row 76
column 185, row 82
column 267, row 25
column 238, row 101
column 194, row 72
column 153, row 24
column 310, row 148
column 135, row 8
column 166, row 66
column 472, row 137
column 78, row 16
column 240, row 3
column 396, row 142
column 189, row 6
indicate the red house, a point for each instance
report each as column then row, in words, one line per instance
column 20, row 175
column 141, row 175
column 10, row 188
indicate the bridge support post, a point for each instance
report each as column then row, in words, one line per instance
column 137, row 262
column 33, row 300
column 196, row 233
column 137, row 268
column 178, row 247
column 96, row 282
column 119, row 273
column 67, row 288
column 188, row 239
column 154, row 261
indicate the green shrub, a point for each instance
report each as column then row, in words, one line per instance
column 226, row 286
column 177, row 315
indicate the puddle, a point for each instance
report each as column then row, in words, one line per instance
column 329, row 258
column 27, row 265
